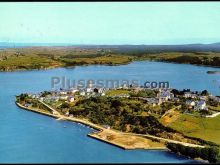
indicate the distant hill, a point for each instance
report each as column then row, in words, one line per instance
column 214, row 47
column 160, row 48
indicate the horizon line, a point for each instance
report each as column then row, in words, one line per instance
column 95, row 44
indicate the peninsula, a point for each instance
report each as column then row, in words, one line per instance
column 136, row 118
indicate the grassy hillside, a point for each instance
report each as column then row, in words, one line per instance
column 204, row 128
column 27, row 62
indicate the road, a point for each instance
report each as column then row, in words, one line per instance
column 213, row 115
column 55, row 112
column 167, row 140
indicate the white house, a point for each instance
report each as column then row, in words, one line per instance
column 63, row 92
column 89, row 90
column 215, row 98
column 82, row 93
column 201, row 105
column 36, row 96
column 190, row 103
column 41, row 98
column 99, row 91
column 63, row 97
column 154, row 101
column 165, row 95
column 203, row 98
column 71, row 99
column 187, row 94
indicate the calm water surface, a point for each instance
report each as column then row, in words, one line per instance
column 29, row 137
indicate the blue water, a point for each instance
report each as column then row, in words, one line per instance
column 29, row 137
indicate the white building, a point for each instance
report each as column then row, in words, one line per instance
column 41, row 98
column 165, row 95
column 63, row 92
column 187, row 94
column 201, row 105
column 71, row 99
column 89, row 90
column 190, row 103
column 82, row 93
column 154, row 101
column 73, row 90
column 99, row 91
column 203, row 98
column 63, row 97
column 215, row 98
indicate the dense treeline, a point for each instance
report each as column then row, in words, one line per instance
column 70, row 56
column 203, row 142
column 208, row 153
column 214, row 61
column 120, row 113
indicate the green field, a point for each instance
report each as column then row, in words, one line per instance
column 204, row 128
column 117, row 92
column 214, row 108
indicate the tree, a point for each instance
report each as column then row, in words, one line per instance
column 213, row 154
column 96, row 90
column 65, row 105
column 45, row 93
column 205, row 93
column 23, row 96
column 116, row 103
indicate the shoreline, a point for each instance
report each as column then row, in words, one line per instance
column 95, row 134
column 98, row 130
column 172, row 62
column 64, row 67
column 57, row 117
column 126, row 63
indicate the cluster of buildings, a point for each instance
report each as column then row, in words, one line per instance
column 195, row 101
column 198, row 101
column 192, row 100
column 68, row 95
column 197, row 105
column 163, row 95
column 92, row 91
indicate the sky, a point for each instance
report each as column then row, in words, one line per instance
column 110, row 22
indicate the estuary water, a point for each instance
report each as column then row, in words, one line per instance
column 27, row 137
